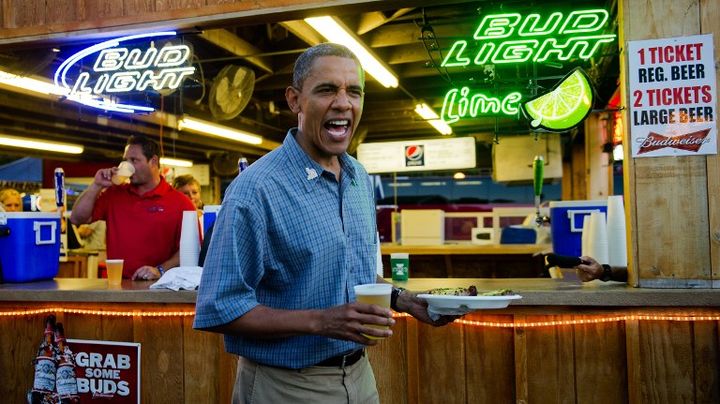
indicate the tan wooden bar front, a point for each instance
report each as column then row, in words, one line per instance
column 637, row 345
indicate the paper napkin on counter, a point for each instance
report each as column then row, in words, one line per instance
column 187, row 278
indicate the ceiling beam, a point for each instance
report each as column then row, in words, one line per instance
column 403, row 34
column 225, row 39
column 370, row 21
column 304, row 31
column 407, row 54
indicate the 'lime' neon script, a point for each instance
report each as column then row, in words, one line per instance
column 512, row 38
column 109, row 69
column 461, row 104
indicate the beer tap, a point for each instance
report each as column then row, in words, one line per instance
column 538, row 174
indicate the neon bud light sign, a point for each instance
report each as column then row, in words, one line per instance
column 514, row 38
column 120, row 66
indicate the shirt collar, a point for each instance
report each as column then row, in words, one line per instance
column 307, row 169
column 161, row 189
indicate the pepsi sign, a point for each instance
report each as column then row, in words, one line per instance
column 414, row 156
column 97, row 75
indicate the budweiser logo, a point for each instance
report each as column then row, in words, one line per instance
column 689, row 141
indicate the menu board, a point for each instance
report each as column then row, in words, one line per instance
column 673, row 93
column 418, row 155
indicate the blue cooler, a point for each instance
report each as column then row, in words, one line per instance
column 209, row 215
column 566, row 224
column 30, row 250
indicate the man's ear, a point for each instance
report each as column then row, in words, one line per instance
column 155, row 160
column 292, row 96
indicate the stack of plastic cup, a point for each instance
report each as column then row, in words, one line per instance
column 597, row 238
column 617, row 246
column 189, row 240
column 585, row 247
column 124, row 172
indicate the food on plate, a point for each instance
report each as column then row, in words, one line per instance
column 498, row 292
column 469, row 291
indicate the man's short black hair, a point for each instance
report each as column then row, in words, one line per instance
column 149, row 147
column 304, row 62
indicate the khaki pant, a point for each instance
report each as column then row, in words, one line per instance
column 260, row 384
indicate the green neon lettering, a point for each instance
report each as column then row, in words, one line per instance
column 530, row 26
column 486, row 50
column 457, row 104
column 584, row 47
column 497, row 26
column 584, row 21
column 554, row 36
column 515, row 51
column 454, row 57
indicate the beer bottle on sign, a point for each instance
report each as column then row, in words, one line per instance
column 65, row 381
column 45, row 366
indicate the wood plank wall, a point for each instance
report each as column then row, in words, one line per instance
column 614, row 362
column 674, row 202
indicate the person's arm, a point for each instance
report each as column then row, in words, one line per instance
column 406, row 301
column 590, row 270
column 346, row 322
column 149, row 272
column 83, row 207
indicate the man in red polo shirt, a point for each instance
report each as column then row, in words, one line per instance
column 144, row 218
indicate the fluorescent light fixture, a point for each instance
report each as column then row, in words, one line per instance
column 13, row 141
column 335, row 31
column 433, row 118
column 209, row 128
column 30, row 84
column 168, row 161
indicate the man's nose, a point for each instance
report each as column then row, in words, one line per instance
column 342, row 101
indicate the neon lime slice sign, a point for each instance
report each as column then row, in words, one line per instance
column 514, row 38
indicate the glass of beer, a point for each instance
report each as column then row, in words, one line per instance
column 114, row 271
column 374, row 293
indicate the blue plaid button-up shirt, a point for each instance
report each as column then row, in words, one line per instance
column 289, row 236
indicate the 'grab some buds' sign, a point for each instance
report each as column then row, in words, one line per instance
column 131, row 64
column 107, row 371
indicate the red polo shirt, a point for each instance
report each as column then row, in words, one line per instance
column 142, row 229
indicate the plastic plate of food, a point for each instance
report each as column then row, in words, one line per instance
column 464, row 300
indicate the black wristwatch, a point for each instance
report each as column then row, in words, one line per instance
column 394, row 297
column 607, row 273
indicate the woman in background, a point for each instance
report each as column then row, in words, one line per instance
column 188, row 185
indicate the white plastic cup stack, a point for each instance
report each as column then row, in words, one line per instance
column 597, row 238
column 617, row 246
column 584, row 246
column 189, row 240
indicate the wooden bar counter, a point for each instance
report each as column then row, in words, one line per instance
column 561, row 343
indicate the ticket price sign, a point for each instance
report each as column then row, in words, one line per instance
column 673, row 108
column 107, row 371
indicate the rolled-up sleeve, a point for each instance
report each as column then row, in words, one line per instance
column 233, row 267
